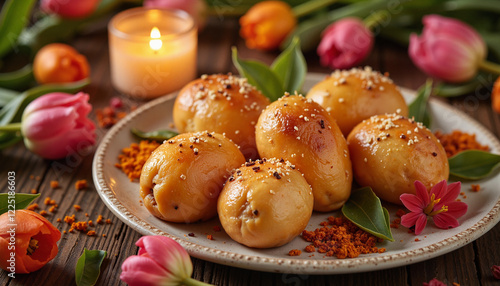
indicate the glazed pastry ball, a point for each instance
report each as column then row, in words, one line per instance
column 301, row 131
column 182, row 179
column 354, row 95
column 225, row 104
column 265, row 203
column 390, row 152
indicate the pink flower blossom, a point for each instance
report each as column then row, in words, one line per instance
column 160, row 261
column 56, row 125
column 345, row 44
column 440, row 204
column 495, row 269
column 69, row 8
column 447, row 49
column 198, row 9
column 434, row 282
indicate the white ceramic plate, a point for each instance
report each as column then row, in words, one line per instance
column 122, row 198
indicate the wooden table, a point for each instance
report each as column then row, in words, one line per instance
column 469, row 265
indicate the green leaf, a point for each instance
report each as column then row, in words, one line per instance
column 6, row 95
column 159, row 135
column 260, row 76
column 17, row 79
column 13, row 111
column 88, row 267
column 365, row 210
column 473, row 164
column 8, row 139
column 13, row 18
column 21, row 201
column 291, row 67
column 418, row 108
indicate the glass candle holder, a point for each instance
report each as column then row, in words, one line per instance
column 152, row 51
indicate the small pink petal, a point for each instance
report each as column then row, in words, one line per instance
column 439, row 189
column 445, row 221
column 420, row 224
column 452, row 192
column 457, row 209
column 422, row 193
column 410, row 219
column 412, row 202
column 495, row 269
column 434, row 282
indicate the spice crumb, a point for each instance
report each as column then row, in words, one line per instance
column 210, row 237
column 43, row 213
column 59, row 220
column 77, row 207
column 32, row 207
column 91, row 233
column 34, row 191
column 294, row 252
column 81, row 184
column 99, row 219
column 108, row 221
column 54, row 184
column 475, row 187
column 217, row 228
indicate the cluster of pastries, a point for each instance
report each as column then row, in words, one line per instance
column 264, row 167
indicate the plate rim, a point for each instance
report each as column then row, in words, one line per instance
column 291, row 265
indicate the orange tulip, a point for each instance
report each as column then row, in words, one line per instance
column 266, row 24
column 35, row 241
column 59, row 63
column 495, row 96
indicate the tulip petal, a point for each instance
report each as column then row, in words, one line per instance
column 141, row 270
column 48, row 123
column 55, row 99
column 168, row 253
column 445, row 221
column 412, row 202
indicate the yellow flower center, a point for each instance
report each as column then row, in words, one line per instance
column 32, row 246
column 428, row 210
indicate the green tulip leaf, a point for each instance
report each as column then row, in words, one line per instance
column 260, row 76
column 291, row 67
column 88, row 267
column 159, row 135
column 473, row 164
column 17, row 79
column 16, row 202
column 13, row 111
column 6, row 95
column 14, row 17
column 365, row 210
column 418, row 108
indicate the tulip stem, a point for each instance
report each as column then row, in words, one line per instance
column 310, row 6
column 490, row 67
column 374, row 19
column 12, row 127
column 193, row 282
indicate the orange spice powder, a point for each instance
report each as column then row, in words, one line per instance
column 459, row 141
column 81, row 184
column 132, row 158
column 341, row 238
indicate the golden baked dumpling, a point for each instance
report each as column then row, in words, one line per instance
column 265, row 203
column 354, row 95
column 182, row 179
column 390, row 152
column 301, row 131
column 225, row 104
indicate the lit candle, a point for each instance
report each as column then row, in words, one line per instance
column 152, row 51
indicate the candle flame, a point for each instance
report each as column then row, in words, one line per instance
column 155, row 42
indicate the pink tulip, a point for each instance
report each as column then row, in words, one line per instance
column 196, row 8
column 447, row 49
column 160, row 261
column 69, row 8
column 55, row 125
column 345, row 44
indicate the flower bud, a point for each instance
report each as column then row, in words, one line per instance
column 345, row 44
column 69, row 8
column 267, row 24
column 55, row 125
column 447, row 49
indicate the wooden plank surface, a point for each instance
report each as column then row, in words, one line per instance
column 469, row 265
